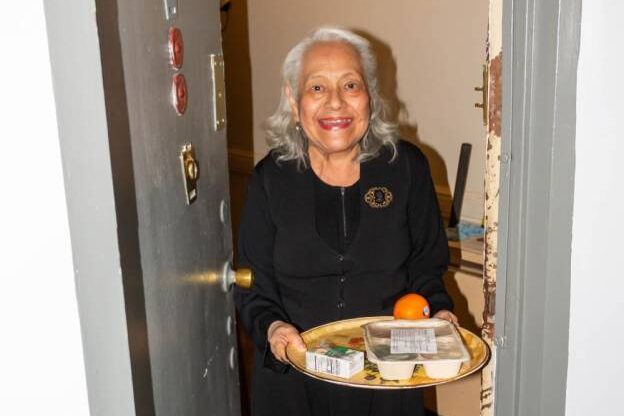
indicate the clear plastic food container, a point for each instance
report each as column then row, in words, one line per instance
column 396, row 346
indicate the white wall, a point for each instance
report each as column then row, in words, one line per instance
column 41, row 358
column 595, row 362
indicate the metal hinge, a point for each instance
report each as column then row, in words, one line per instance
column 500, row 341
column 218, row 91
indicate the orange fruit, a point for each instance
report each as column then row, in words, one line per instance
column 411, row 306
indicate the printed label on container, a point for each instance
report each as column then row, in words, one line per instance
column 337, row 361
column 328, row 365
column 413, row 340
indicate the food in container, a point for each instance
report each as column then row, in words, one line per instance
column 396, row 346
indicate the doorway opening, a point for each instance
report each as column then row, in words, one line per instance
column 434, row 61
column 540, row 39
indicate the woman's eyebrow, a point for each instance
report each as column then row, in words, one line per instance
column 322, row 76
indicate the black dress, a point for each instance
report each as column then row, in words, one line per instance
column 319, row 255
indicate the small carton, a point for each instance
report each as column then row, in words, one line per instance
column 336, row 361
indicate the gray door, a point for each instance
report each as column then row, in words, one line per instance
column 189, row 318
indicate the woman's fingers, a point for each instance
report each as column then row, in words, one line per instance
column 295, row 339
column 278, row 348
column 448, row 316
column 280, row 334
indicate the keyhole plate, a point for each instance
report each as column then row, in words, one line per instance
column 190, row 172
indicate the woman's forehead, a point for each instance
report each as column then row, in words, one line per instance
column 331, row 56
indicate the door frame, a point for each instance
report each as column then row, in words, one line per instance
column 102, row 212
column 540, row 47
column 540, row 56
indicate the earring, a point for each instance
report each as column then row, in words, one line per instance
column 297, row 127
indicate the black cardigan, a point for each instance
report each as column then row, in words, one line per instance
column 400, row 246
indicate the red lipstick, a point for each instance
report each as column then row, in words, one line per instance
column 335, row 123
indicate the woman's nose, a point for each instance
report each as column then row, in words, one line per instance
column 335, row 99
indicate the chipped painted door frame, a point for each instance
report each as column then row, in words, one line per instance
column 491, row 200
column 540, row 56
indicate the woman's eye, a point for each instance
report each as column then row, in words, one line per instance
column 316, row 88
column 352, row 86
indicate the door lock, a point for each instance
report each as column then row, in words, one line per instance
column 190, row 172
column 242, row 278
column 191, row 169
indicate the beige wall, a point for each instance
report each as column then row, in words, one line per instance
column 237, row 77
column 432, row 52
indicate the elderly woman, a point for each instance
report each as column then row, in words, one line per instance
column 341, row 220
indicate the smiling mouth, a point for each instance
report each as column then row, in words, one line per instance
column 335, row 123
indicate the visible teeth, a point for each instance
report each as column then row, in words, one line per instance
column 336, row 121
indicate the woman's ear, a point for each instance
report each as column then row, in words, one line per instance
column 291, row 101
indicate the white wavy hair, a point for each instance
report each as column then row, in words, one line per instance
column 290, row 143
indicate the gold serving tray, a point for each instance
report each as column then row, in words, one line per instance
column 349, row 333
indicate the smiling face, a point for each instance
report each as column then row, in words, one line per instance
column 333, row 106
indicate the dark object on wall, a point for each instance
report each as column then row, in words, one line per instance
column 460, row 184
column 225, row 7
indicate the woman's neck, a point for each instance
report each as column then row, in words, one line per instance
column 336, row 169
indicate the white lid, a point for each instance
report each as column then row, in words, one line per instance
column 415, row 341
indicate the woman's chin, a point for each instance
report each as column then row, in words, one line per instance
column 334, row 148
column 336, row 142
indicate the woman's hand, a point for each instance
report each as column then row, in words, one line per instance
column 279, row 335
column 447, row 316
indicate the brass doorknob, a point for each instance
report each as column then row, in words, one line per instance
column 242, row 278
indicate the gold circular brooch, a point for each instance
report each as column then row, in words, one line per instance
column 378, row 197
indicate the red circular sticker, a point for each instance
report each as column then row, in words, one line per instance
column 179, row 93
column 176, row 48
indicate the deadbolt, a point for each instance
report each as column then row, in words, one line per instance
column 190, row 172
